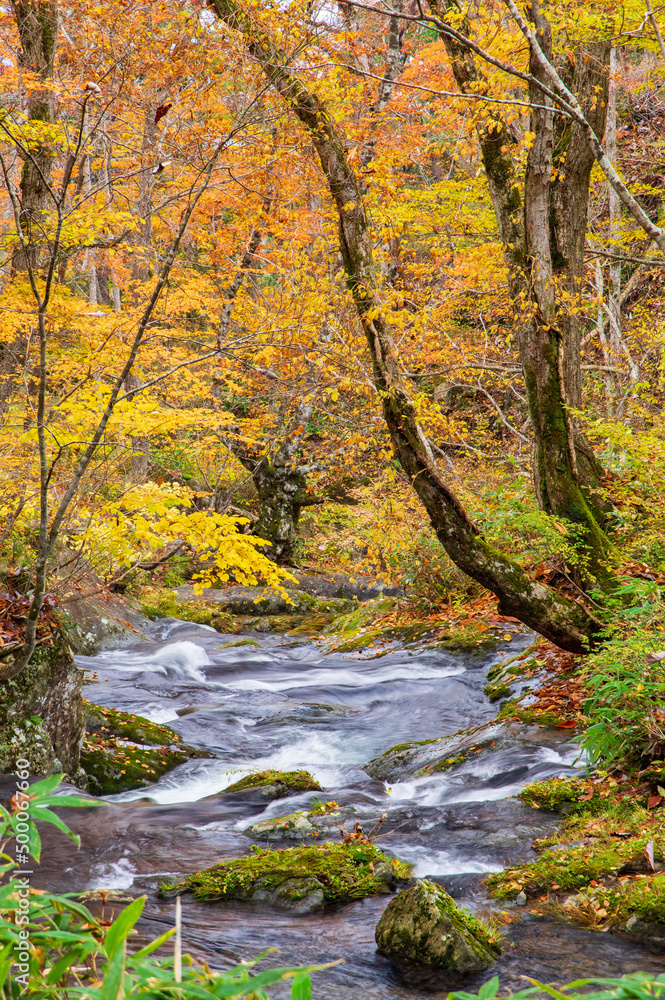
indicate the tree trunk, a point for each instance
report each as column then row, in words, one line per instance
column 281, row 484
column 37, row 25
column 543, row 236
column 562, row 620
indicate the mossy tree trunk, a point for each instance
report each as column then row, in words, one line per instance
column 562, row 620
column 543, row 233
column 281, row 485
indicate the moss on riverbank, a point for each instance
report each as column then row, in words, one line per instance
column 166, row 604
column 342, row 872
column 602, row 868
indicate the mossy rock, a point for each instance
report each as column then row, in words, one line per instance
column 322, row 821
column 166, row 604
column 131, row 727
column 300, row 878
column 276, row 784
column 423, row 924
column 560, row 795
column 120, row 769
column 114, row 761
column 41, row 711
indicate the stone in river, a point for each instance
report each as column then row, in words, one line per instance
column 422, row 924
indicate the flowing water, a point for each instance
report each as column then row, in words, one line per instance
column 287, row 705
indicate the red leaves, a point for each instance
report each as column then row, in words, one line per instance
column 654, row 801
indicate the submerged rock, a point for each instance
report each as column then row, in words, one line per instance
column 299, row 879
column 406, row 760
column 276, row 784
column 422, row 924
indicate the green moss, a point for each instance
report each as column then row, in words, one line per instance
column 562, row 795
column 111, row 758
column 131, row 727
column 287, row 782
column 449, row 762
column 113, row 770
column 240, row 642
column 166, row 605
column 565, row 870
column 497, row 691
column 343, row 871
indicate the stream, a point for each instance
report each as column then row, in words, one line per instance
column 287, row 705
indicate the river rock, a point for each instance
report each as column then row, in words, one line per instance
column 422, row 924
column 407, row 760
column 295, row 895
column 41, row 713
column 260, row 602
column 299, row 825
column 274, row 784
column 300, row 878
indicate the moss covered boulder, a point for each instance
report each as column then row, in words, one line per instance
column 301, row 879
column 275, row 784
column 423, row 924
column 123, row 751
column 113, row 722
column 41, row 712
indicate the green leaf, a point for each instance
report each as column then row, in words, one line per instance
column 71, row 801
column 302, row 987
column 44, row 815
column 114, row 976
column 43, row 787
column 149, row 948
column 122, row 925
column 489, row 989
column 60, row 968
column 34, row 842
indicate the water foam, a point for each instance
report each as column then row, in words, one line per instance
column 179, row 660
column 340, row 677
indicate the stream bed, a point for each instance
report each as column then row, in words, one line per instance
column 287, row 705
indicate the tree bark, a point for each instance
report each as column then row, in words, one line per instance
column 543, row 235
column 562, row 620
column 281, row 484
column 37, row 24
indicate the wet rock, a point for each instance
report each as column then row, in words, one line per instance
column 258, row 602
column 124, row 751
column 648, row 932
column 406, row 760
column 423, row 924
column 296, row 895
column 298, row 878
column 301, row 825
column 293, row 826
column 101, row 621
column 275, row 784
column 41, row 713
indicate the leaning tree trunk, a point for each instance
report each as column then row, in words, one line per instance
column 562, row 620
